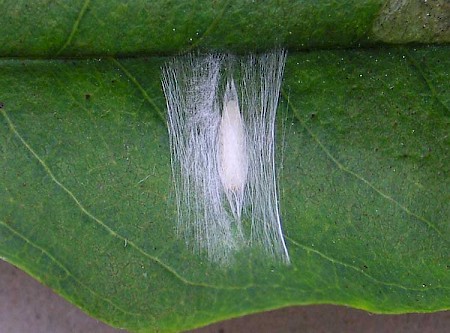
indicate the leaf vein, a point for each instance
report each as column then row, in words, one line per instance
column 75, row 26
column 429, row 84
column 65, row 269
column 139, row 87
column 112, row 232
column 211, row 27
column 361, row 178
column 357, row 269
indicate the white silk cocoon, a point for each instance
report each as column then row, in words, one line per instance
column 232, row 150
column 221, row 122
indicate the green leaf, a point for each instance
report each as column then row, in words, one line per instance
column 87, row 201
column 88, row 205
column 86, row 28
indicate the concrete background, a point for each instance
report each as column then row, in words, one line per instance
column 27, row 306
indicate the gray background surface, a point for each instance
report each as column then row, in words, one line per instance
column 27, row 306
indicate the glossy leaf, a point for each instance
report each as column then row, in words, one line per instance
column 88, row 204
column 87, row 201
column 43, row 28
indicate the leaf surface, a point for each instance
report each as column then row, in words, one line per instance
column 89, row 208
column 98, row 28
column 87, row 198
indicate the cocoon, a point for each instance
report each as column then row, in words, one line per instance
column 232, row 150
column 221, row 123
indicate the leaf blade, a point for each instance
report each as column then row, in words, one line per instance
column 90, row 126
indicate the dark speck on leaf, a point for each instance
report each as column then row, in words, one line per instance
column 2, row 105
column 87, row 97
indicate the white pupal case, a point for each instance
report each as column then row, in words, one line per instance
column 221, row 122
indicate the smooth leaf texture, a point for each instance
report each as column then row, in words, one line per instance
column 43, row 28
column 87, row 201
column 88, row 206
